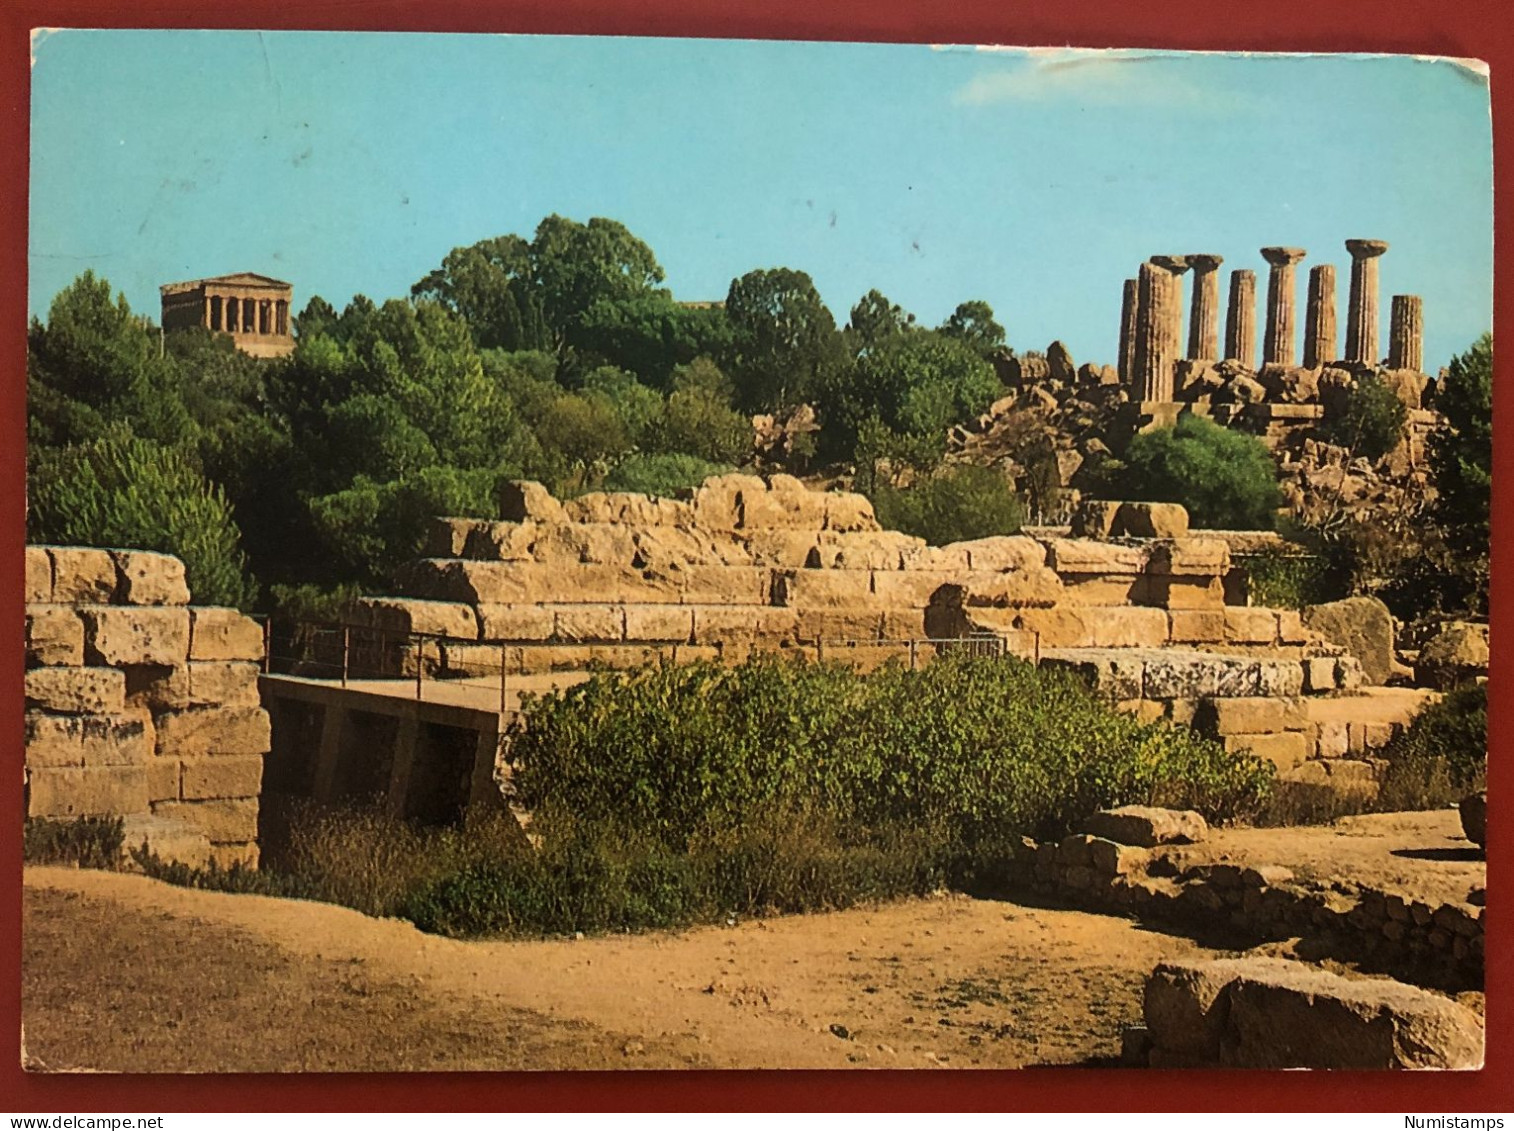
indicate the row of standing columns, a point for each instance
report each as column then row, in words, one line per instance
column 235, row 315
column 1152, row 317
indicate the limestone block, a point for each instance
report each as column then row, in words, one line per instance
column 145, row 578
column 1172, row 674
column 1083, row 556
column 1190, row 557
column 1120, row 626
column 788, row 549
column 1348, row 673
column 783, row 509
column 727, row 585
column 1284, row 750
column 1279, row 678
column 596, row 543
column 516, row 622
column 528, row 583
column 448, row 537
column 406, row 615
column 663, row 549
column 223, row 634
column 1290, row 627
column 1094, row 518
column 907, row 588
column 904, row 624
column 92, row 791
column 1287, row 1015
column 481, row 659
column 936, row 558
column 885, row 549
column 76, row 691
column 716, row 500
column 135, row 635
column 38, row 587
column 1150, row 520
column 1196, row 626
column 163, row 779
column 235, row 855
column 158, row 687
column 1110, row 674
column 659, row 622
column 1180, row 712
column 202, row 731
column 1004, row 552
column 521, row 499
column 206, row 779
column 500, row 541
column 87, row 740
column 1250, row 626
column 723, row 624
column 1145, row 826
column 837, row 624
column 1101, row 589
column 627, row 508
column 1027, row 588
column 1167, row 592
column 222, row 683
column 1319, row 674
column 1251, row 715
column 82, row 575
column 1361, row 625
column 169, row 841
column 846, row 512
column 586, row 623
column 1185, row 1007
column 1331, row 739
column 224, row 822
column 1145, row 710
column 54, row 635
column 822, row 588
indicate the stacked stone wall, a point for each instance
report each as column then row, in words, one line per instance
column 139, row 705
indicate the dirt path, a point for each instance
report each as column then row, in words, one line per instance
column 123, row 973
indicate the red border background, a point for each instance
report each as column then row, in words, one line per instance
column 1467, row 28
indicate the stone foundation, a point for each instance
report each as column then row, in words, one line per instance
column 140, row 706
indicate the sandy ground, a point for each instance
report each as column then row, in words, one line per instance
column 123, row 973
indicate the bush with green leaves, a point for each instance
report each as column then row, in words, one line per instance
column 958, row 503
column 1441, row 756
column 1226, row 479
column 979, row 749
column 136, row 494
column 1371, row 421
column 87, row 842
column 663, row 475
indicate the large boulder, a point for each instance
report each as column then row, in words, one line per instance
column 1457, row 654
column 1474, row 817
column 1361, row 625
column 1060, row 364
column 1146, row 826
column 1277, row 1013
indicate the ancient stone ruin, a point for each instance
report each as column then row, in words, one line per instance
column 141, row 706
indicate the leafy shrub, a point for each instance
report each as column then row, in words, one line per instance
column 663, row 475
column 89, row 842
column 1441, row 756
column 132, row 493
column 1371, row 422
column 1226, row 479
column 1290, row 578
column 978, row 749
column 959, row 503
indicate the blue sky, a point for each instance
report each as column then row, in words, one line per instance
column 347, row 163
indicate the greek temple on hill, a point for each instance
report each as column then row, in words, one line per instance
column 253, row 309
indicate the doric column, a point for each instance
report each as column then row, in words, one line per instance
column 1240, row 319
column 1277, row 345
column 1204, row 316
column 1319, row 319
column 1159, row 309
column 1361, row 318
column 1406, row 334
column 1130, row 300
column 233, row 316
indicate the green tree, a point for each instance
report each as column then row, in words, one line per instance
column 957, row 504
column 972, row 324
column 584, row 429
column 635, row 406
column 650, row 334
column 876, row 319
column 125, row 492
column 1226, row 479
column 574, row 266
column 490, row 286
column 1461, row 450
column 698, row 422
column 783, row 338
column 1371, row 422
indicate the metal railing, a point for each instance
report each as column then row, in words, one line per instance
column 349, row 653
